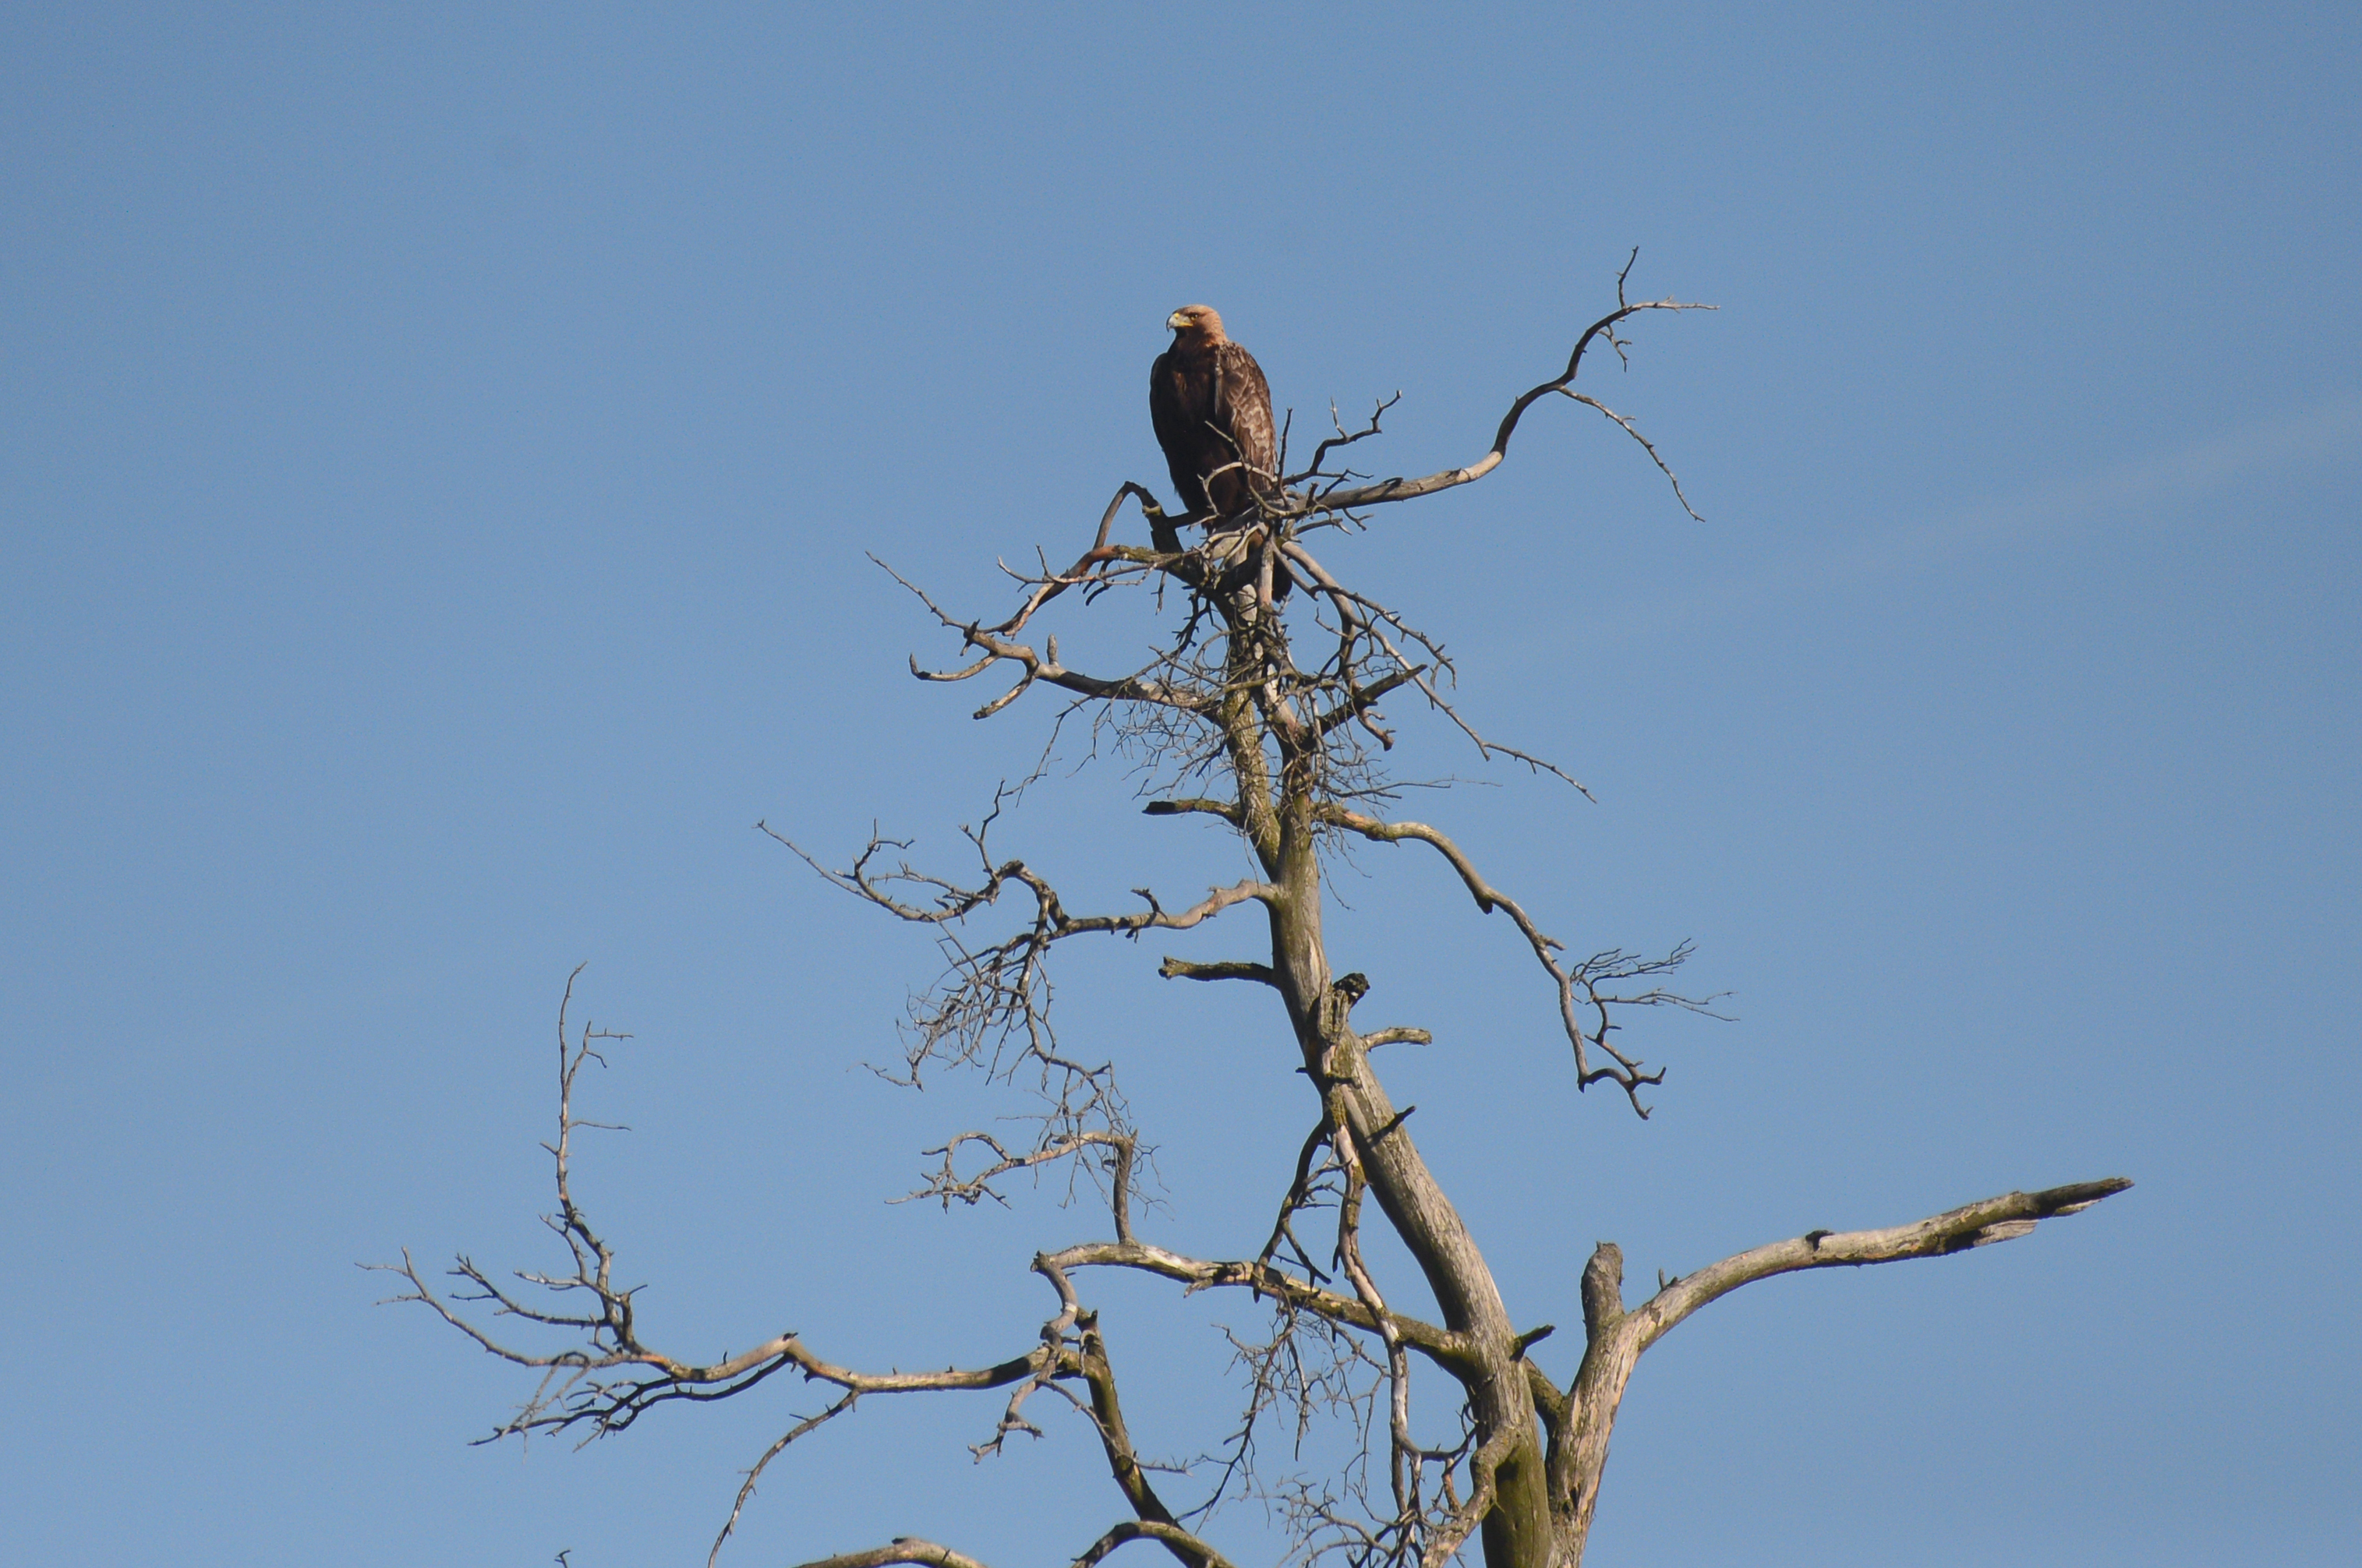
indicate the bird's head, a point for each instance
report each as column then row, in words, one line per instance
column 1200, row 322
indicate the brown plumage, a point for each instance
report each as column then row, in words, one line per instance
column 1211, row 408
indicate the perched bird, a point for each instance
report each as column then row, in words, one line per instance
column 1211, row 408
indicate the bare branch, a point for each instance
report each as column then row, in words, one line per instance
column 1462, row 1522
column 1388, row 491
column 991, row 1008
column 1342, row 438
column 1404, row 1471
column 1618, row 1338
column 2005, row 1218
column 1184, row 1545
column 1647, row 446
column 576, row 1394
column 1441, row 1346
column 1227, row 810
column 1181, row 969
column 610, row 1377
column 754, row 1472
column 946, row 1183
column 1099, row 555
column 1154, row 1520
column 1044, row 665
column 1586, row 978
column 904, row 1549
column 1362, row 617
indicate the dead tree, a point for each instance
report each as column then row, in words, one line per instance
column 1287, row 753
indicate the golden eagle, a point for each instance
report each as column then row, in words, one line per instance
column 1211, row 408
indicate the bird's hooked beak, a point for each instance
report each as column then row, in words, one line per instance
column 1178, row 322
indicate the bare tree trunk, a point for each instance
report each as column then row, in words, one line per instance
column 1517, row 1527
column 1291, row 745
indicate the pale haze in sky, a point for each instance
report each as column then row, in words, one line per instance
column 440, row 453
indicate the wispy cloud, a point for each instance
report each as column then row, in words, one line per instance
column 2326, row 434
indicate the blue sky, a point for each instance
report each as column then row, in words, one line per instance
column 440, row 448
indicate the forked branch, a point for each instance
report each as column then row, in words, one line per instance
column 609, row 1375
column 1618, row 1338
column 1340, row 500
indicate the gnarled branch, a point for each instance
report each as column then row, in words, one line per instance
column 1603, row 329
column 1617, row 1338
column 1991, row 1219
column 1587, row 978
